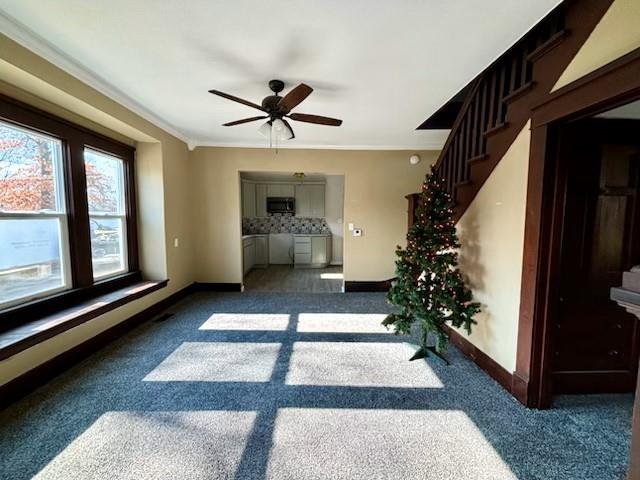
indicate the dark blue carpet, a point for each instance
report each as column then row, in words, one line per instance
column 172, row 401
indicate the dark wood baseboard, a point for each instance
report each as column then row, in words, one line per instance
column 481, row 359
column 593, row 382
column 380, row 286
column 38, row 376
column 216, row 287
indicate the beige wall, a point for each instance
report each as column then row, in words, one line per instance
column 617, row 34
column 375, row 185
column 492, row 235
column 162, row 176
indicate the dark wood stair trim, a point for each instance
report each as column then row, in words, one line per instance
column 462, row 183
column 496, row 129
column 518, row 92
column 555, row 40
column 478, row 158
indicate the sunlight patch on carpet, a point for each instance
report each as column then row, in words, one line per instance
column 381, row 445
column 359, row 364
column 246, row 321
column 342, row 323
column 217, row 362
column 161, row 445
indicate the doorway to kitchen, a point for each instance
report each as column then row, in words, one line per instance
column 292, row 232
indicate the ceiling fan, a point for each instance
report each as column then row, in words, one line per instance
column 278, row 109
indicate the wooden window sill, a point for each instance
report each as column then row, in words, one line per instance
column 27, row 335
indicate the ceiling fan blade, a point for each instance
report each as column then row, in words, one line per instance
column 244, row 120
column 294, row 97
column 289, row 126
column 303, row 117
column 236, row 99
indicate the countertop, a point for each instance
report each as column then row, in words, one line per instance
column 311, row 234
column 253, row 235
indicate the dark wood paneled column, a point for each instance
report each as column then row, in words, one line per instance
column 629, row 297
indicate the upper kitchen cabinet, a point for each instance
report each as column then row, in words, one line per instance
column 248, row 200
column 280, row 190
column 261, row 200
column 310, row 200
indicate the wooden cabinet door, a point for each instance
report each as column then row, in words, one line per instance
column 261, row 257
column 248, row 200
column 303, row 201
column 248, row 256
column 261, row 200
column 287, row 190
column 316, row 194
column 318, row 250
column 273, row 190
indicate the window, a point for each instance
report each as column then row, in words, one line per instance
column 67, row 213
column 107, row 219
column 34, row 247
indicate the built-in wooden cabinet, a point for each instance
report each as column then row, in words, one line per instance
column 280, row 190
column 312, row 250
column 261, row 200
column 309, row 200
column 255, row 252
column 248, row 200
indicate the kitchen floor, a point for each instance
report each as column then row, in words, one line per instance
column 285, row 278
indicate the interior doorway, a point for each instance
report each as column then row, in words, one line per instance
column 594, row 343
column 292, row 232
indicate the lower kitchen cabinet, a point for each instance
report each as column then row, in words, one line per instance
column 255, row 253
column 312, row 250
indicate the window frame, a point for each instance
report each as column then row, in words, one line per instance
column 75, row 139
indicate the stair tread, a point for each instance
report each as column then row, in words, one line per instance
column 542, row 49
column 495, row 129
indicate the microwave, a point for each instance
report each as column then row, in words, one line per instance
column 281, row 205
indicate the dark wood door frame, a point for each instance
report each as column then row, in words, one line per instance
column 608, row 87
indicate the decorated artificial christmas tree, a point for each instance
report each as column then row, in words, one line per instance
column 429, row 288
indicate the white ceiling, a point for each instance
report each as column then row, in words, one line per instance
column 630, row 111
column 382, row 66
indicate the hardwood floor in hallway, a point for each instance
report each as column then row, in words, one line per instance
column 284, row 278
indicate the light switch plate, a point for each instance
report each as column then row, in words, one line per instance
column 351, row 227
column 176, row 242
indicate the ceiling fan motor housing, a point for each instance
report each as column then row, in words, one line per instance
column 270, row 103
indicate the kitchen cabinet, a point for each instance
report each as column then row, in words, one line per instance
column 262, row 251
column 248, row 255
column 280, row 190
column 255, row 252
column 280, row 248
column 248, row 200
column 261, row 200
column 310, row 200
column 312, row 250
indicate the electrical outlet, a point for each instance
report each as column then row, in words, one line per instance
column 357, row 232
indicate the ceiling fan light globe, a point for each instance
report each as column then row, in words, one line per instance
column 285, row 134
column 265, row 129
column 278, row 125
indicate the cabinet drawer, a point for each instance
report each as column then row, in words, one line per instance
column 302, row 239
column 303, row 258
column 303, row 248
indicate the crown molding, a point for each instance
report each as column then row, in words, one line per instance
column 297, row 146
column 30, row 40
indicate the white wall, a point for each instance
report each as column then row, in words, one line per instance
column 334, row 214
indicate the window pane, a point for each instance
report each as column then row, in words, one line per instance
column 30, row 257
column 105, row 183
column 107, row 246
column 30, row 171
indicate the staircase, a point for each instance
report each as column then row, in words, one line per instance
column 500, row 100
